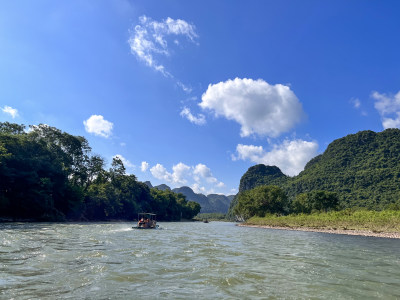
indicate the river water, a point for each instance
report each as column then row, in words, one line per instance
column 192, row 260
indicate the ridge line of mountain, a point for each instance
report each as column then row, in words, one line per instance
column 211, row 203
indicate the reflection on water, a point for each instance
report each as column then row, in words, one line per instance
column 192, row 260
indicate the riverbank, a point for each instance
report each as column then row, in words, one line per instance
column 364, row 223
column 391, row 235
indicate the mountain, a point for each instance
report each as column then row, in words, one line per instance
column 261, row 175
column 192, row 196
column 213, row 203
column 219, row 203
column 362, row 168
column 162, row 187
column 148, row 183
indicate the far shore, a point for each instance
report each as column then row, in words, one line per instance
column 390, row 235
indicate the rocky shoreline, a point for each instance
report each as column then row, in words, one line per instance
column 390, row 235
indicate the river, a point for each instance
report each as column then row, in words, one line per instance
column 192, row 261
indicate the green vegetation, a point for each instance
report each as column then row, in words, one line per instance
column 360, row 172
column 210, row 217
column 48, row 175
column 375, row 221
column 262, row 200
column 315, row 201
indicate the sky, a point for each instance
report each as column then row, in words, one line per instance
column 193, row 93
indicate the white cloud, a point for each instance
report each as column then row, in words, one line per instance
column 199, row 120
column 185, row 88
column 144, row 166
column 98, row 126
column 201, row 171
column 391, row 123
column 198, row 189
column 290, row 156
column 13, row 112
column 221, row 184
column 356, row 102
column 126, row 162
column 357, row 105
column 260, row 108
column 199, row 177
column 178, row 176
column 159, row 172
column 148, row 40
column 388, row 107
column 180, row 172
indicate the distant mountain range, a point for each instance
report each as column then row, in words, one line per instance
column 212, row 203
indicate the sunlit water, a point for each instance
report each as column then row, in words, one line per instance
column 192, row 261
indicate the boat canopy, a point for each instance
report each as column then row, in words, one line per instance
column 150, row 216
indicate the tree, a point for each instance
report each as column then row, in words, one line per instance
column 12, row 128
column 47, row 174
column 260, row 201
column 315, row 201
column 32, row 180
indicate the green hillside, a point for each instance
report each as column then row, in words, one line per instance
column 363, row 169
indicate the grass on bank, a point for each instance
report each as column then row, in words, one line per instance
column 375, row 221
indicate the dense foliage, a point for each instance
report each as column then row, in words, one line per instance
column 264, row 199
column 357, row 171
column 315, row 201
column 47, row 174
column 261, row 175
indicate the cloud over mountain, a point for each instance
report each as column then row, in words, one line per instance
column 388, row 107
column 199, row 177
column 290, row 156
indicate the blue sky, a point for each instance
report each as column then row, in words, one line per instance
column 195, row 92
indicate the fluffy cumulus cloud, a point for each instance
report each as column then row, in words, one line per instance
column 199, row 177
column 13, row 112
column 290, row 156
column 259, row 107
column 97, row 125
column 203, row 172
column 200, row 119
column 180, row 172
column 148, row 42
column 161, row 173
column 388, row 107
column 197, row 188
column 144, row 166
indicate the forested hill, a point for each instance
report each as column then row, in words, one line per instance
column 261, row 175
column 362, row 168
column 50, row 175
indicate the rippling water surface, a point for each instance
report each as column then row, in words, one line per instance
column 192, row 260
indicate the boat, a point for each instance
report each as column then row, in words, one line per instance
column 146, row 221
column 205, row 221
